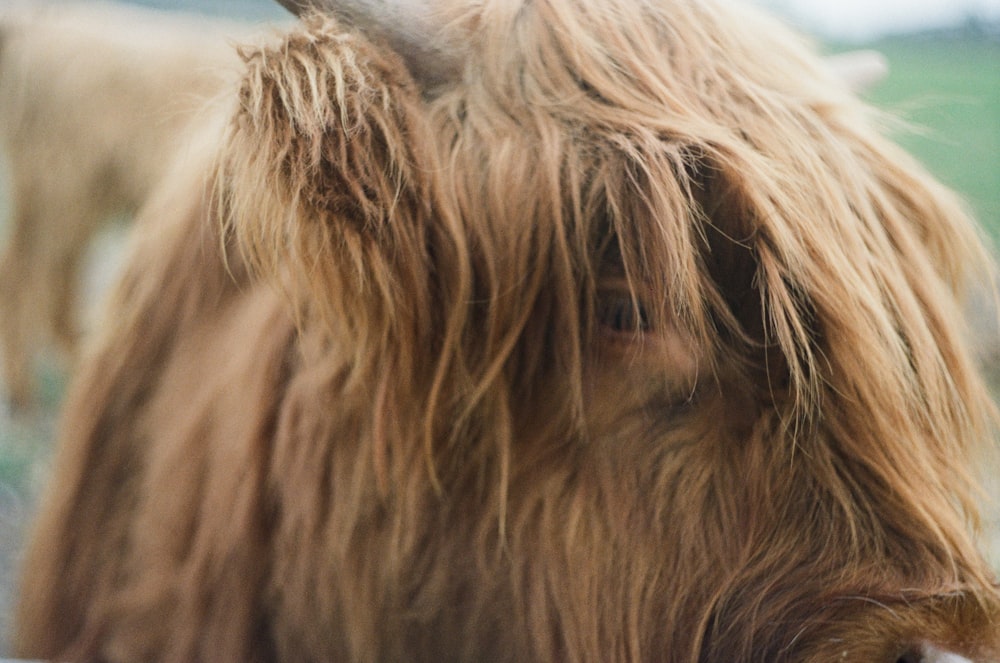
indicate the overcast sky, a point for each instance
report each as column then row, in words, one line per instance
column 864, row 18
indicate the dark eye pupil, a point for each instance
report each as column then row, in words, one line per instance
column 620, row 313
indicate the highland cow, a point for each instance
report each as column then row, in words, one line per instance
column 561, row 330
column 94, row 100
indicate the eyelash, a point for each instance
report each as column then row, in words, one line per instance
column 619, row 313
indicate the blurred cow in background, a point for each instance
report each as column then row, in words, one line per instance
column 95, row 102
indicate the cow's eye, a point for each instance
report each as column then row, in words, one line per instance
column 620, row 312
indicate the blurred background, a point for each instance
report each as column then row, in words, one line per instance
column 944, row 58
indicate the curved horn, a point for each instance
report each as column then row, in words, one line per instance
column 406, row 25
column 861, row 70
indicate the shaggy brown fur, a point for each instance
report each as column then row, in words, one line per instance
column 94, row 100
column 633, row 342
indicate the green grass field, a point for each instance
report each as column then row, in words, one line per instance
column 949, row 90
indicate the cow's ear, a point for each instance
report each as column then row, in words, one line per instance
column 326, row 125
column 326, row 176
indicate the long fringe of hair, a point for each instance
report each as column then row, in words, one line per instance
column 682, row 136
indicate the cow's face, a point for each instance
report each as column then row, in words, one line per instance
column 674, row 329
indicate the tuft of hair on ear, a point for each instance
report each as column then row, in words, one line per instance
column 326, row 184
column 321, row 179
